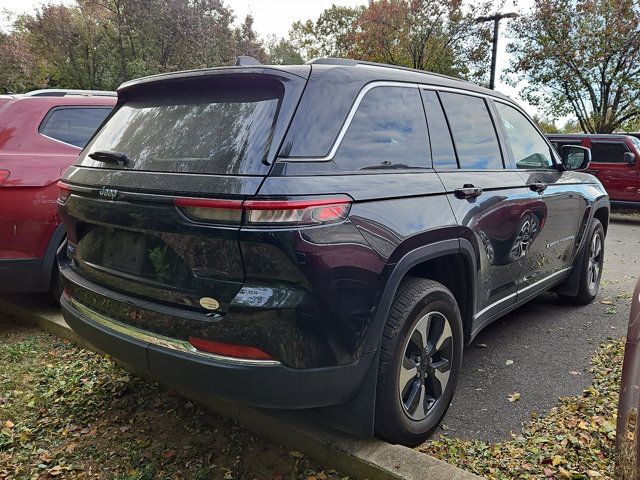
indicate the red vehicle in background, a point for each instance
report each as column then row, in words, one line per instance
column 615, row 160
column 41, row 134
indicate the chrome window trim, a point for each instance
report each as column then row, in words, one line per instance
column 157, row 339
column 354, row 108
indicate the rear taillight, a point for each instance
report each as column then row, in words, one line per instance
column 207, row 210
column 229, row 349
column 63, row 192
column 267, row 212
column 4, row 174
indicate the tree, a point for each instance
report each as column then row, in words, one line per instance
column 20, row 68
column 281, row 51
column 435, row 35
column 580, row 57
column 328, row 35
column 545, row 124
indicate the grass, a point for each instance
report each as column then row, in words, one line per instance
column 69, row 413
column 575, row 440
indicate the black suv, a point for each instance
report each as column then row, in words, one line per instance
column 323, row 236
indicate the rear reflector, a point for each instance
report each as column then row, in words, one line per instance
column 228, row 349
column 63, row 191
column 4, row 174
column 267, row 212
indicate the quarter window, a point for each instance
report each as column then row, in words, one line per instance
column 609, row 152
column 529, row 148
column 73, row 125
column 442, row 151
column 474, row 135
column 389, row 130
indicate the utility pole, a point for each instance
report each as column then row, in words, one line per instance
column 494, row 53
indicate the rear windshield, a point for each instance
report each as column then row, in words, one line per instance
column 216, row 126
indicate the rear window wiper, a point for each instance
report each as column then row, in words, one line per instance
column 107, row 156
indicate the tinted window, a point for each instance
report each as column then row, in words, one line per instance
column 608, row 152
column 221, row 127
column 442, row 152
column 388, row 131
column 529, row 148
column 73, row 125
column 473, row 133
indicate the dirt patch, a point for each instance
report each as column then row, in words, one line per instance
column 66, row 412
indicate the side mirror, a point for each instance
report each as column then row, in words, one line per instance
column 575, row 157
column 629, row 158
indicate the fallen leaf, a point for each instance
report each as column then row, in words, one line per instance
column 125, row 428
column 9, row 424
column 606, row 302
column 514, row 397
column 169, row 454
column 509, row 362
column 296, row 454
column 548, row 472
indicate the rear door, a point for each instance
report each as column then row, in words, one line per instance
column 608, row 164
column 490, row 203
column 163, row 223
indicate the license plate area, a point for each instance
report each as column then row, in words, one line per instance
column 124, row 251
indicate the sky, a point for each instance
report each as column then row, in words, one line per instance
column 274, row 17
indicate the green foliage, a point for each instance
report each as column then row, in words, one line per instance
column 547, row 125
column 432, row 35
column 580, row 57
column 98, row 44
column 283, row 52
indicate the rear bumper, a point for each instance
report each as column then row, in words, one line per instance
column 21, row 275
column 269, row 385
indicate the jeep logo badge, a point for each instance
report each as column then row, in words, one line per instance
column 109, row 193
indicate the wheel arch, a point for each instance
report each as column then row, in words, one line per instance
column 430, row 262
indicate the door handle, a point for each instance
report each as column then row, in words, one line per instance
column 467, row 191
column 538, row 187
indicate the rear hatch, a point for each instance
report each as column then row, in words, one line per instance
column 190, row 140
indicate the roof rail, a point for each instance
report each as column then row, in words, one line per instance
column 351, row 62
column 55, row 92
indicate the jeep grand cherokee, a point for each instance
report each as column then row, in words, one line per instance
column 325, row 236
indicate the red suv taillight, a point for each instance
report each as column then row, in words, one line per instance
column 314, row 211
column 229, row 349
column 4, row 174
column 63, row 191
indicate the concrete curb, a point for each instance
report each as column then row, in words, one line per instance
column 356, row 457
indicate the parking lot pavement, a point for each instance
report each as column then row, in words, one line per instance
column 550, row 343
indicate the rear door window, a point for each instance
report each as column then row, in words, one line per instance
column 474, row 135
column 528, row 147
column 608, row 152
column 389, row 130
column 442, row 151
column 223, row 126
column 73, row 125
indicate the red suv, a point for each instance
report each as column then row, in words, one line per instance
column 615, row 160
column 41, row 134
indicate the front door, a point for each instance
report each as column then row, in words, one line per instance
column 556, row 208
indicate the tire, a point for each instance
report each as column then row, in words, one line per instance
column 591, row 266
column 418, row 303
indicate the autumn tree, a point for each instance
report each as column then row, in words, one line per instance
column 328, row 35
column 580, row 57
column 434, row 35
